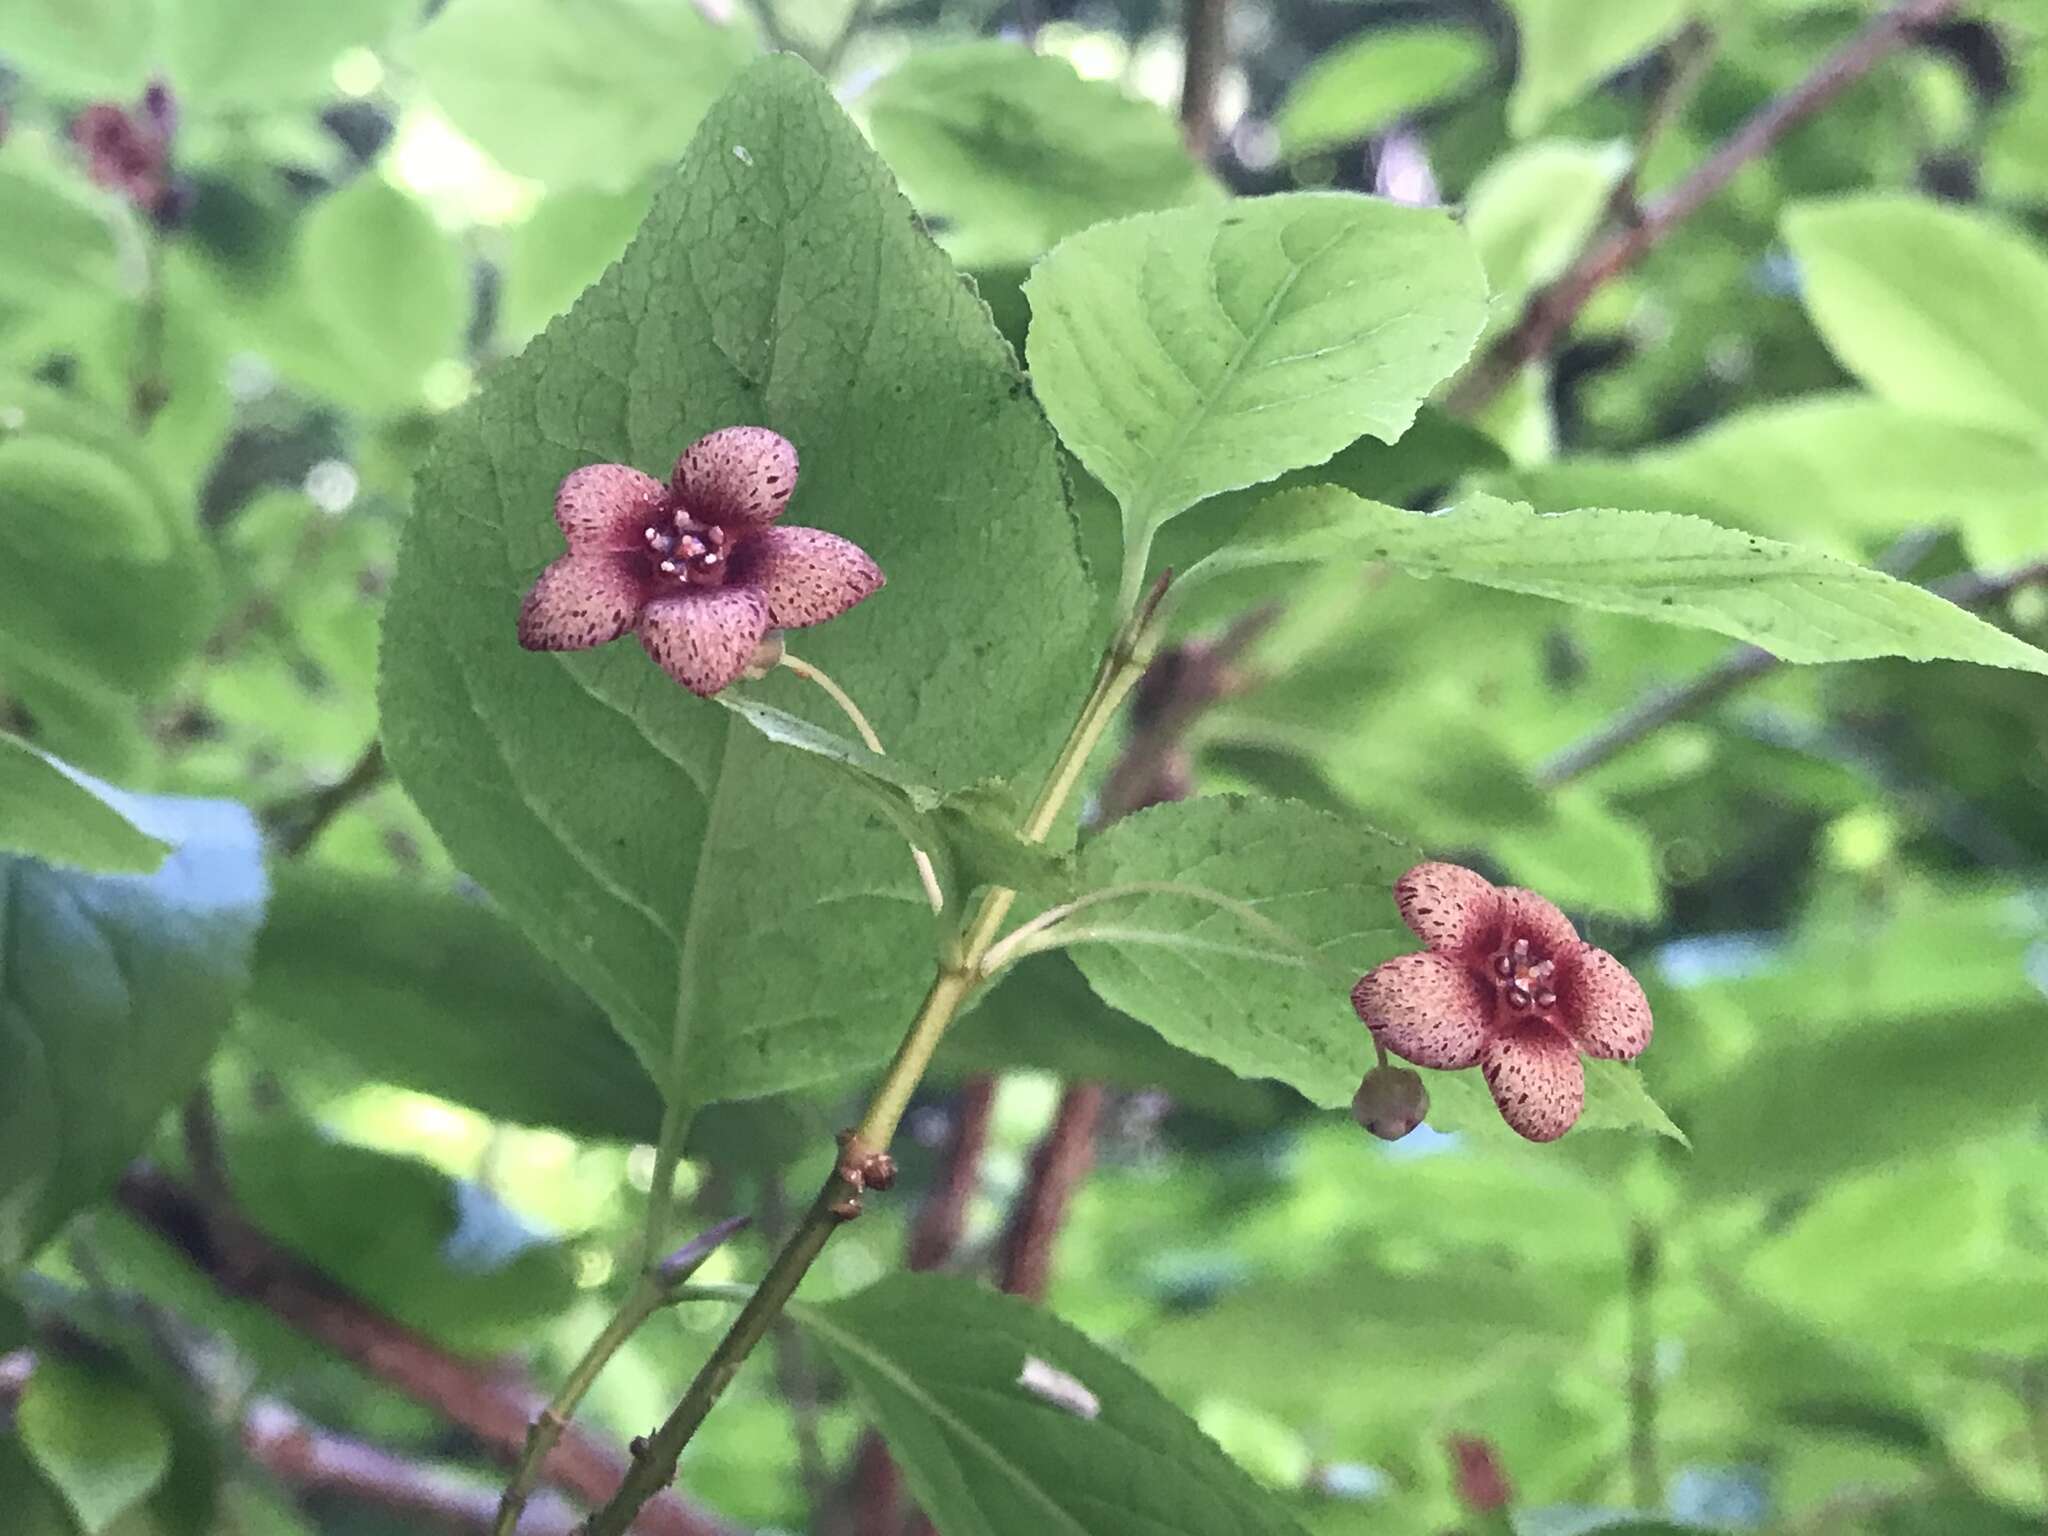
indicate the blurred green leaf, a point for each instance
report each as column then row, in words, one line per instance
column 56, row 815
column 116, row 989
column 649, row 843
column 95, row 1435
column 365, row 979
column 1569, row 46
column 83, row 47
column 227, row 55
column 1005, row 1420
column 560, row 250
column 578, row 92
column 1531, row 211
column 73, row 251
column 1971, row 346
column 1014, row 151
column 1187, row 353
column 1374, row 81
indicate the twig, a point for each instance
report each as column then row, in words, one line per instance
column 1550, row 310
column 942, row 1218
column 300, row 823
column 1645, row 1485
column 310, row 1459
column 248, row 1266
column 1691, row 57
column 1742, row 665
column 1061, row 1161
column 1207, row 43
column 796, row 1376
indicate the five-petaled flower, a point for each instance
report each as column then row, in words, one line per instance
column 129, row 150
column 696, row 566
column 1506, row 985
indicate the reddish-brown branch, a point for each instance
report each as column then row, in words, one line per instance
column 1552, row 309
column 1207, row 50
column 935, row 1234
column 307, row 1458
column 1058, row 1165
column 246, row 1264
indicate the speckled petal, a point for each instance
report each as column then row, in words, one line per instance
column 1536, row 919
column 1425, row 1008
column 1449, row 907
column 1602, row 1004
column 806, row 574
column 1537, row 1081
column 737, row 477
column 705, row 639
column 581, row 601
column 606, row 508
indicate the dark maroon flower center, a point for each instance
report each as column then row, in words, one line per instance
column 1521, row 977
column 686, row 552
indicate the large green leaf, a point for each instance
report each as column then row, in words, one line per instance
column 94, row 1433
column 1185, row 353
column 1015, row 151
column 1797, row 603
column 227, row 55
column 681, row 868
column 578, row 92
column 114, row 990
column 1008, row 1422
column 1375, row 80
column 51, row 813
column 360, row 978
column 1569, row 46
column 1224, row 985
column 1939, row 309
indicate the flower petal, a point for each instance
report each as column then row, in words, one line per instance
column 1537, row 1081
column 806, row 574
column 737, row 476
column 606, row 508
column 1601, row 1004
column 1449, row 907
column 705, row 639
column 581, row 601
column 1536, row 918
column 1426, row 1008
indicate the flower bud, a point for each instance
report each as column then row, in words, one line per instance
column 1391, row 1102
column 1481, row 1481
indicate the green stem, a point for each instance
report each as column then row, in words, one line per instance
column 655, row 1467
column 1051, row 930
column 645, row 1300
column 1645, row 1484
column 926, row 874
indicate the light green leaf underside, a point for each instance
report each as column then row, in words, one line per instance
column 1799, row 604
column 1186, row 353
column 1078, row 1445
column 1373, row 81
column 54, row 815
column 649, row 843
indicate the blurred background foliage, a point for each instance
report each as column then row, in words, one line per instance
column 224, row 348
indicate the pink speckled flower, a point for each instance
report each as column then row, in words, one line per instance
column 695, row 566
column 1506, row 985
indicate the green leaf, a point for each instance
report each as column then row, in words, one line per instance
column 365, row 979
column 123, row 616
column 380, row 296
column 1007, row 1421
column 73, row 249
column 441, row 1255
column 93, row 1432
column 82, row 47
column 114, row 990
column 653, row 845
column 1798, row 604
column 577, row 92
column 1569, row 46
column 1186, row 353
column 1214, row 983
column 1972, row 346
column 1372, row 82
column 1530, row 211
column 1015, row 151
column 227, row 55
column 560, row 250
column 51, row 813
